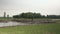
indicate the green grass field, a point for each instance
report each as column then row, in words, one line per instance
column 32, row 29
column 5, row 18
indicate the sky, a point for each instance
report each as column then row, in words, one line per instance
column 15, row 7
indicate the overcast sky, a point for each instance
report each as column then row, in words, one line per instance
column 45, row 7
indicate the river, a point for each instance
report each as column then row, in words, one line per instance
column 11, row 23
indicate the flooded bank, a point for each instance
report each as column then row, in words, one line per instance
column 25, row 22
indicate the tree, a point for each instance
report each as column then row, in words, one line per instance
column 28, row 15
column 15, row 16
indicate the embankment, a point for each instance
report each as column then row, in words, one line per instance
column 36, row 21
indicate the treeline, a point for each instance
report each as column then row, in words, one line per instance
column 35, row 15
column 53, row 16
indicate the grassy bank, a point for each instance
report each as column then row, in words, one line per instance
column 32, row 29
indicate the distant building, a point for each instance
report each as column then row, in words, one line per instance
column 7, row 16
column 4, row 14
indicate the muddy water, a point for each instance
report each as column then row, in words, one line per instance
column 10, row 23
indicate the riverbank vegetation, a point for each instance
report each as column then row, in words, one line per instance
column 36, row 15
